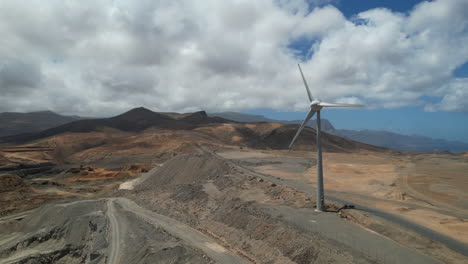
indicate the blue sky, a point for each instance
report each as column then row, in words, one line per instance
column 405, row 120
column 408, row 121
column 352, row 7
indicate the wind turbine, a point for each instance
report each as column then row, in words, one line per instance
column 315, row 107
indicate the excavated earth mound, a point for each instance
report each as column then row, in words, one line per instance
column 187, row 169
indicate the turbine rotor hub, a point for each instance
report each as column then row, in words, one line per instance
column 315, row 105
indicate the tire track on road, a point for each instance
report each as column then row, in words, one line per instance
column 189, row 235
column 114, row 245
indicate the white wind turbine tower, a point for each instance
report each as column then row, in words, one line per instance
column 315, row 107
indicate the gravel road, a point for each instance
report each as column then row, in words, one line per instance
column 98, row 231
column 431, row 234
column 192, row 237
column 114, row 243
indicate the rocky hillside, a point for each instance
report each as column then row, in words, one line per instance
column 135, row 120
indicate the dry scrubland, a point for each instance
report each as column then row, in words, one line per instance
column 212, row 191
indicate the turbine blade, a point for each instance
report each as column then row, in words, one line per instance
column 308, row 117
column 324, row 104
column 309, row 94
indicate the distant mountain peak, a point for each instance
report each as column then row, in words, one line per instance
column 200, row 113
column 140, row 109
column 196, row 117
column 141, row 114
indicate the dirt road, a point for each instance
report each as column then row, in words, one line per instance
column 114, row 243
column 97, row 231
column 192, row 237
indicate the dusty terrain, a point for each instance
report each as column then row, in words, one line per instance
column 409, row 186
column 246, row 210
column 96, row 233
column 207, row 191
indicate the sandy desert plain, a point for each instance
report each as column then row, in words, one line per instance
column 146, row 187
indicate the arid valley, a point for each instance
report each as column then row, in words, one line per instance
column 147, row 187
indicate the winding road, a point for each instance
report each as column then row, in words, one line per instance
column 452, row 244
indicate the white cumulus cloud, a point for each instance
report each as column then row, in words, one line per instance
column 97, row 58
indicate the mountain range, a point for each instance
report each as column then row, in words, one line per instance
column 17, row 123
column 373, row 137
column 197, row 127
column 402, row 142
column 21, row 127
column 135, row 120
column 241, row 117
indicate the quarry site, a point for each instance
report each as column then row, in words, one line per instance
column 147, row 187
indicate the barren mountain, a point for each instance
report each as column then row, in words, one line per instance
column 379, row 138
column 20, row 123
column 134, row 120
column 257, row 135
column 248, row 118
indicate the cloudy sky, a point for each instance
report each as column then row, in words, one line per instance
column 404, row 59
